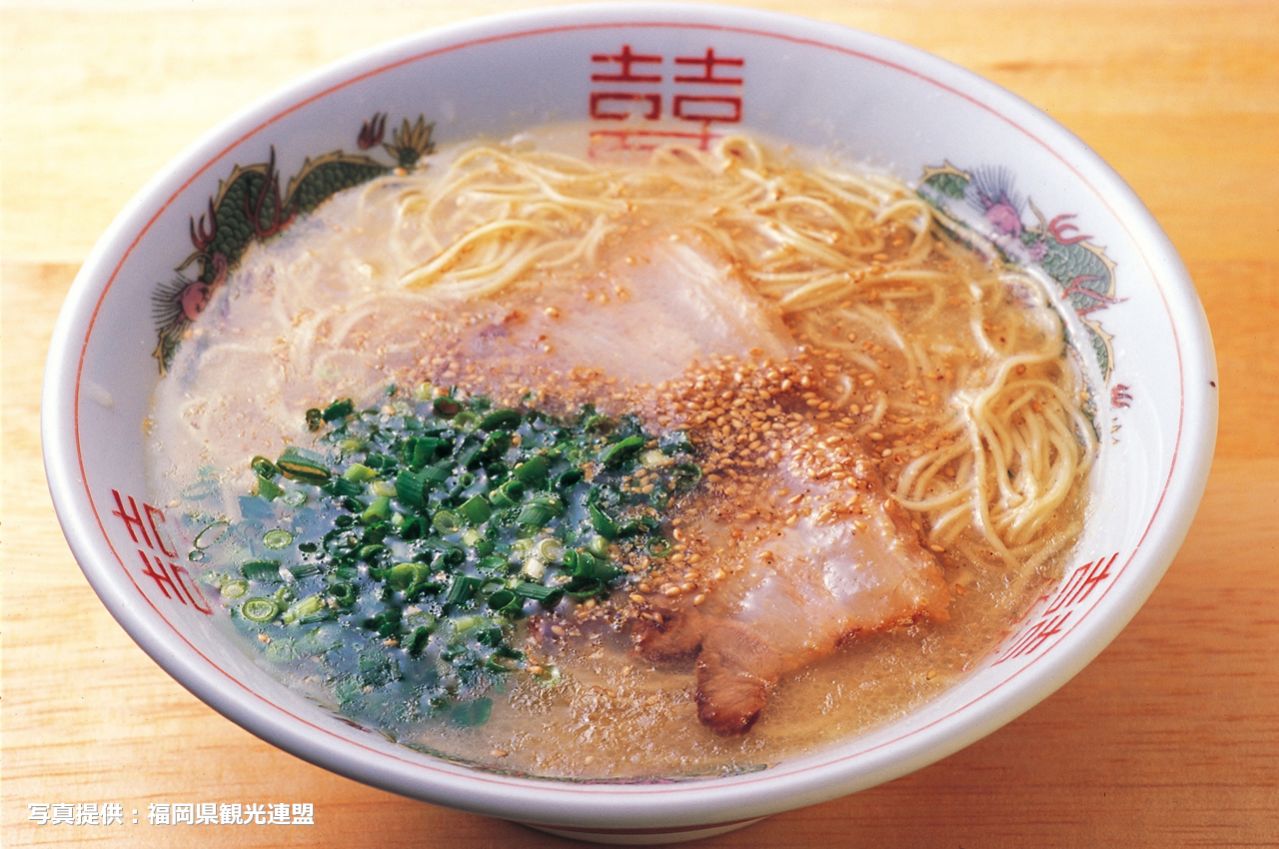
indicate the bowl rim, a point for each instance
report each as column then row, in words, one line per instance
column 718, row 800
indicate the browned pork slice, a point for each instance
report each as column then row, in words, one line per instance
column 803, row 589
column 653, row 311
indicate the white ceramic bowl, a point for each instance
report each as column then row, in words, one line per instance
column 974, row 150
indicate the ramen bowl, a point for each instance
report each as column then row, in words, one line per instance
column 629, row 77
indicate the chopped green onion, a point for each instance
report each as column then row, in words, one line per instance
column 462, row 589
column 503, row 600
column 538, row 512
column 402, row 576
column 417, row 640
column 344, row 488
column 584, row 588
column 234, row 588
column 343, row 594
column 534, row 567
column 301, row 464
column 508, row 494
column 491, row 635
column 261, row 570
column 267, row 489
column 533, row 470
column 660, row 546
column 277, row 538
column 550, row 549
column 494, row 445
column 297, row 573
column 450, row 507
column 498, row 662
column 505, row 419
column 598, row 423
column 597, row 546
column 654, row 458
column 259, row 609
column 583, row 564
column 569, row 478
column 423, row 450
column 264, row 468
column 475, row 509
column 437, row 474
column 446, row 407
column 359, row 473
column 640, row 525
column 212, row 534
column 549, row 596
column 602, row 522
column 385, row 623
column 379, row 509
column 621, row 451
column 466, row 624
column 446, row 522
column 408, row 527
column 304, row 610
column 339, row 409
column 412, row 488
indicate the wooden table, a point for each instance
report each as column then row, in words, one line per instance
column 1170, row 738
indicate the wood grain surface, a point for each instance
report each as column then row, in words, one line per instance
column 1170, row 738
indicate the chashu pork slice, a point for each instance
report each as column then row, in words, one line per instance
column 653, row 310
column 801, row 590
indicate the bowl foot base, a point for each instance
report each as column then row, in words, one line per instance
column 642, row 836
